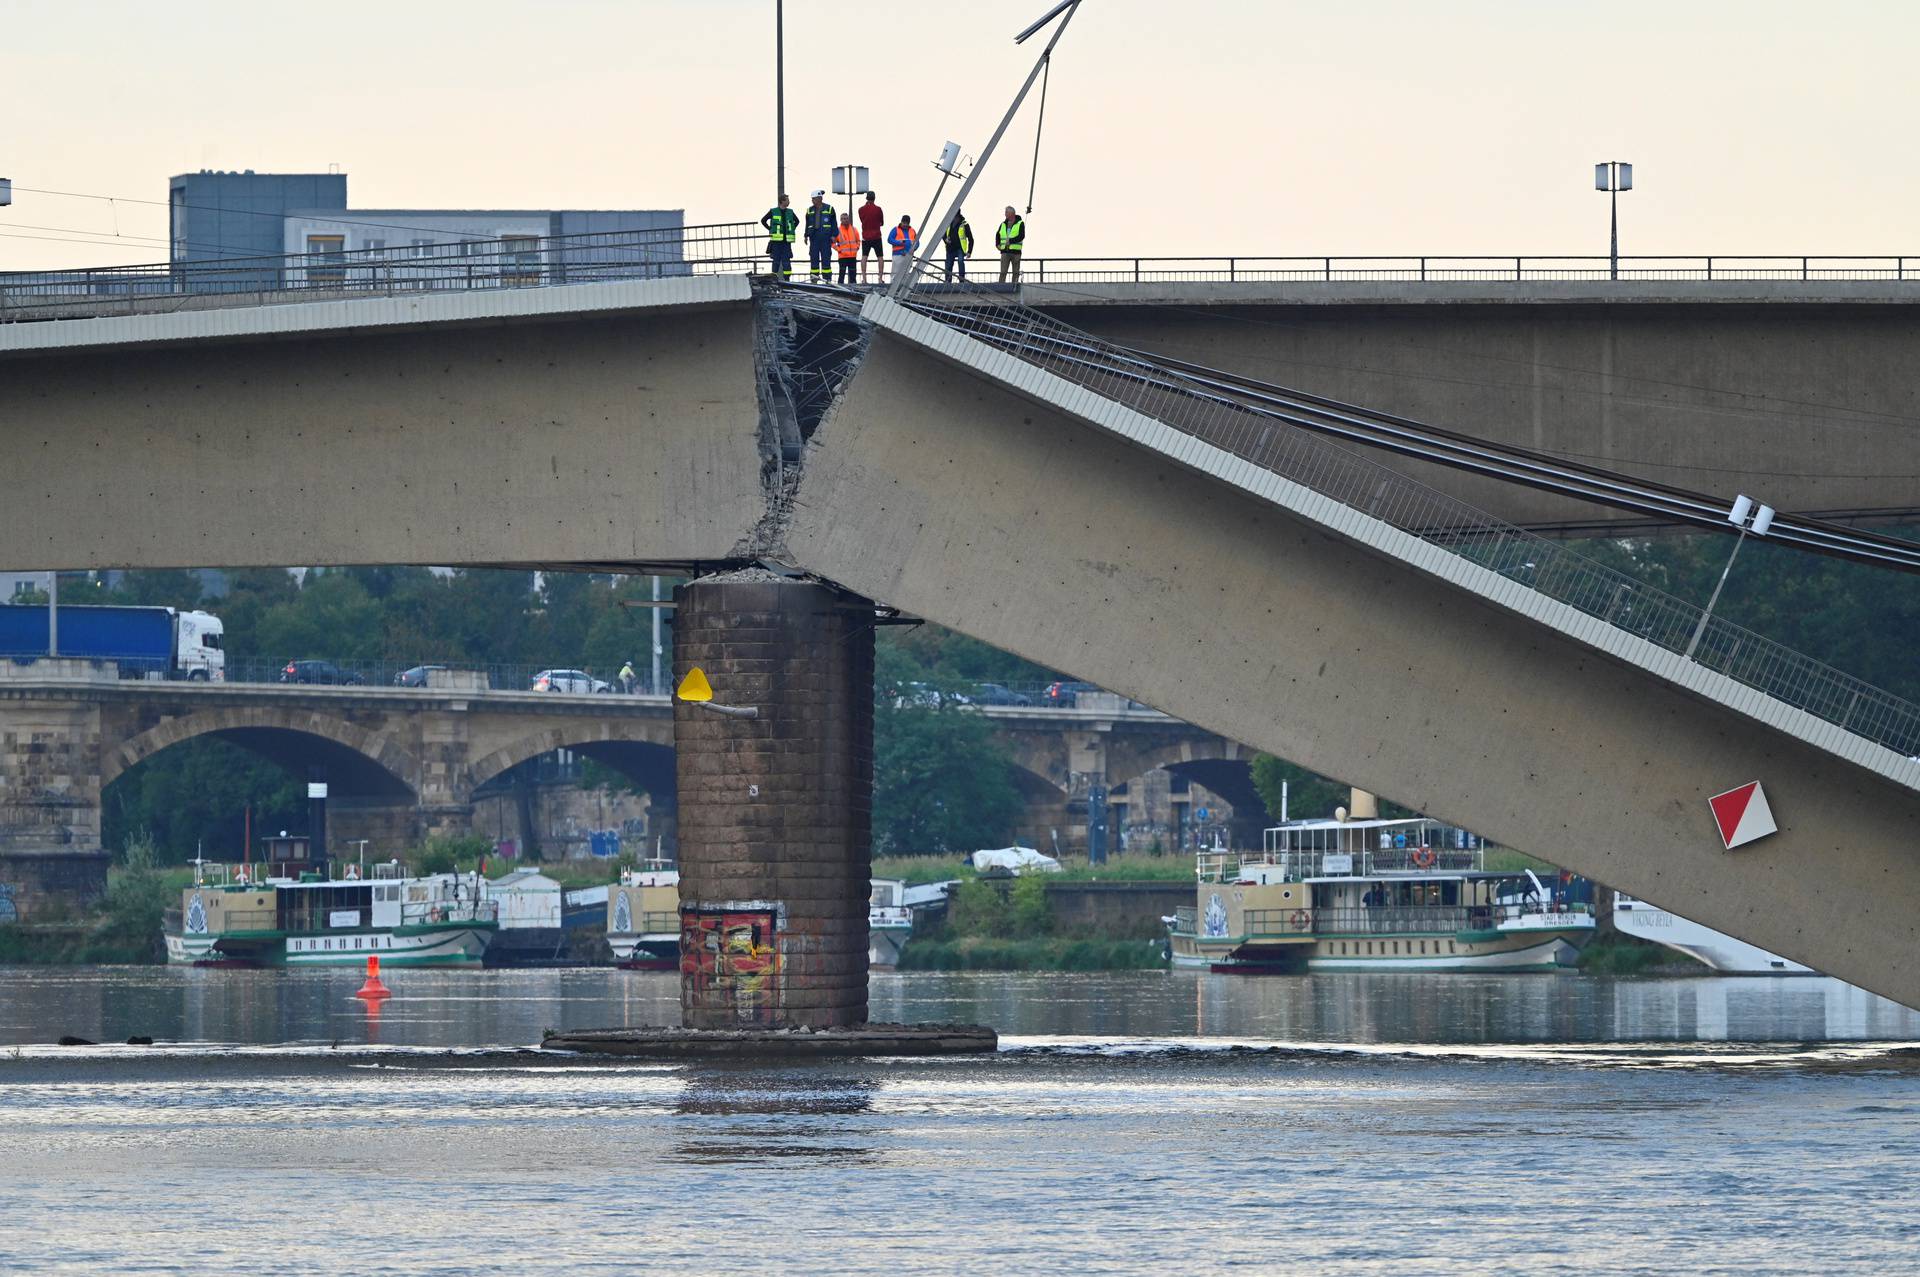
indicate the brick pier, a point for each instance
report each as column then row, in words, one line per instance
column 775, row 811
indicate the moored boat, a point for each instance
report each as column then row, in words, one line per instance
column 889, row 922
column 1717, row 949
column 1375, row 895
column 643, row 918
column 288, row 914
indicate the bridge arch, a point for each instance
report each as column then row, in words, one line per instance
column 359, row 762
column 640, row 749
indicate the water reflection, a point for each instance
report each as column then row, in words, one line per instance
column 800, row 1104
column 512, row 1008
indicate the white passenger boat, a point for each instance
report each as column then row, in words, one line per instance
column 1718, row 950
column 643, row 918
column 889, row 922
column 1375, row 895
column 284, row 914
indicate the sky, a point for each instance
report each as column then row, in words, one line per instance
column 1212, row 127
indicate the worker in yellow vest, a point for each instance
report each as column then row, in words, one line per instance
column 846, row 245
column 1010, row 237
column 782, row 225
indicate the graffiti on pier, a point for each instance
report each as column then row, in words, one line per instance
column 731, row 957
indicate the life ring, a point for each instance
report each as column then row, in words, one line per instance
column 1299, row 919
column 1423, row 858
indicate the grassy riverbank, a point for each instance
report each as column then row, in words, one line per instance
column 1050, row 953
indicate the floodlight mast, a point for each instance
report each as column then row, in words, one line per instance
column 931, row 237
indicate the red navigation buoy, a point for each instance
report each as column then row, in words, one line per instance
column 373, row 988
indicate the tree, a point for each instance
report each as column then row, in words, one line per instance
column 941, row 776
column 1309, row 796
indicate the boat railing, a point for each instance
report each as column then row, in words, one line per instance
column 415, row 913
column 1219, row 866
column 659, row 922
column 1390, row 920
column 1259, row 923
column 1186, row 920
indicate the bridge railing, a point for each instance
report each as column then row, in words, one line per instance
column 1707, row 268
column 480, row 263
column 399, row 673
column 1265, row 438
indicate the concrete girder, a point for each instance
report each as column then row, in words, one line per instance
column 603, row 437
column 1805, row 402
column 1254, row 622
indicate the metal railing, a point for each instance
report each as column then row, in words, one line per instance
column 1446, row 269
column 500, row 677
column 1550, row 569
column 731, row 248
column 451, row 263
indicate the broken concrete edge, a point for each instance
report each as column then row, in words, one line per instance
column 658, row 1041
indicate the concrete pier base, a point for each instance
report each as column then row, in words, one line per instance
column 775, row 811
column 866, row 1039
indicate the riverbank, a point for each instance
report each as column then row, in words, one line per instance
column 1048, row 953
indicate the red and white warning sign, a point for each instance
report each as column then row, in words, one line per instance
column 1743, row 815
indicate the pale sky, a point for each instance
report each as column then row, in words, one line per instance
column 1209, row 127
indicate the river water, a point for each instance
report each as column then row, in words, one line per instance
column 1150, row 1121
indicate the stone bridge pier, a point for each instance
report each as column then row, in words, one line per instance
column 775, row 810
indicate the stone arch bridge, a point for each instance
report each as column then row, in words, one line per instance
column 404, row 764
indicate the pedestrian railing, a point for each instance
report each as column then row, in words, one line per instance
column 1714, row 268
column 1551, row 569
column 450, row 265
column 739, row 248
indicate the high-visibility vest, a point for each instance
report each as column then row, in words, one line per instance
column 822, row 220
column 960, row 236
column 903, row 244
column 1011, row 235
column 781, row 224
column 847, row 243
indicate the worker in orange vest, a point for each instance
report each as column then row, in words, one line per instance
column 902, row 239
column 847, row 246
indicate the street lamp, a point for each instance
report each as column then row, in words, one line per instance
column 931, row 236
column 780, row 97
column 1613, row 177
column 1760, row 522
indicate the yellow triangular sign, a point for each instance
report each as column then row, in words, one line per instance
column 694, row 687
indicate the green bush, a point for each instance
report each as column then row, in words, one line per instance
column 451, row 855
column 1026, row 908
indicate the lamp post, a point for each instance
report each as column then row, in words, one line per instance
column 780, row 97
column 931, row 236
column 1613, row 177
column 1737, row 516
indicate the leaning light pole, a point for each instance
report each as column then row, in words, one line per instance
column 931, row 236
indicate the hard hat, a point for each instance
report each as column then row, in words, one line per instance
column 819, row 193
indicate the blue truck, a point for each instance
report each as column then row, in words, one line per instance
column 145, row 642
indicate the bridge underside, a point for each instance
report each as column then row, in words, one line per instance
column 944, row 494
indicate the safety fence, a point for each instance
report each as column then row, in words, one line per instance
column 444, row 264
column 1264, row 437
column 1707, row 268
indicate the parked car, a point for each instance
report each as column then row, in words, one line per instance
column 926, row 696
column 568, row 681
column 415, row 677
column 1063, row 695
column 313, row 671
column 995, row 694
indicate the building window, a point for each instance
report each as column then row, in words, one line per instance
column 376, row 248
column 326, row 259
column 519, row 259
column 421, row 248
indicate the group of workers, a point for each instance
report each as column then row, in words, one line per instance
column 829, row 238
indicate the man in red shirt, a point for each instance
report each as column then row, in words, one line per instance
column 873, row 225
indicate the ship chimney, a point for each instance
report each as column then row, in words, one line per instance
column 1363, row 806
